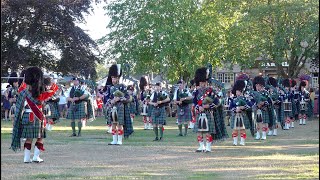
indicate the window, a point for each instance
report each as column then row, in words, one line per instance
column 220, row 77
column 229, row 78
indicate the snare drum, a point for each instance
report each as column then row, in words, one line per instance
column 287, row 106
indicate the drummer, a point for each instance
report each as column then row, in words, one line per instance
column 287, row 97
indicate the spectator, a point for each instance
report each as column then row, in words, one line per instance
column 63, row 107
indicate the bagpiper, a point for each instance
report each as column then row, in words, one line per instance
column 29, row 121
column 120, row 113
column 159, row 99
column 239, row 119
column 206, row 102
column 263, row 102
column 305, row 108
column 183, row 99
column 144, row 101
column 275, row 106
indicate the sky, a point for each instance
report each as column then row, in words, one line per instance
column 96, row 23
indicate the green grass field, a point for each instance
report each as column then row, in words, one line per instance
column 293, row 154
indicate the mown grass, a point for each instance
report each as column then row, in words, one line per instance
column 293, row 154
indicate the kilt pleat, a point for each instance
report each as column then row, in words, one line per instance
column 76, row 111
column 187, row 116
column 161, row 119
column 33, row 129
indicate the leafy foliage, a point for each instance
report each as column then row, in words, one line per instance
column 31, row 30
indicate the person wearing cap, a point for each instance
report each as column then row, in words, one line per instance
column 263, row 101
column 158, row 100
column 29, row 121
column 239, row 118
column 205, row 103
column 76, row 97
column 183, row 99
column 118, row 102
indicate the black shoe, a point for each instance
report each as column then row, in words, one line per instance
column 79, row 134
column 160, row 139
column 156, row 139
column 73, row 134
column 180, row 134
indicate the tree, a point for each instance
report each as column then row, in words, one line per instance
column 277, row 31
column 159, row 36
column 32, row 30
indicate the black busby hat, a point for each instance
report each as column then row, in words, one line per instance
column 115, row 70
column 272, row 81
column 143, row 82
column 33, row 75
column 192, row 82
column 12, row 78
column 286, row 83
column 238, row 85
column 258, row 80
column 109, row 81
column 201, row 75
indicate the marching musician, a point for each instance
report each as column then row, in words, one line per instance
column 29, row 121
column 287, row 98
column 132, row 103
column 13, row 94
column 305, row 108
column 76, row 97
column 106, row 108
column 183, row 99
column 158, row 100
column 120, row 113
column 205, row 103
column 51, row 105
column 239, row 119
column 144, row 101
column 262, row 107
column 275, row 106
column 295, row 102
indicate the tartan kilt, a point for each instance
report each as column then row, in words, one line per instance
column 280, row 113
column 132, row 107
column 265, row 116
column 211, row 123
column 127, row 124
column 33, row 129
column 187, row 116
column 245, row 120
column 150, row 109
column 221, row 130
column 106, row 112
column 79, row 113
column 54, row 110
column 295, row 108
column 272, row 116
column 161, row 119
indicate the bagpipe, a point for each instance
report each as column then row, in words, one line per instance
column 182, row 95
column 162, row 97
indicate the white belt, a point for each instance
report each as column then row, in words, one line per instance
column 28, row 110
